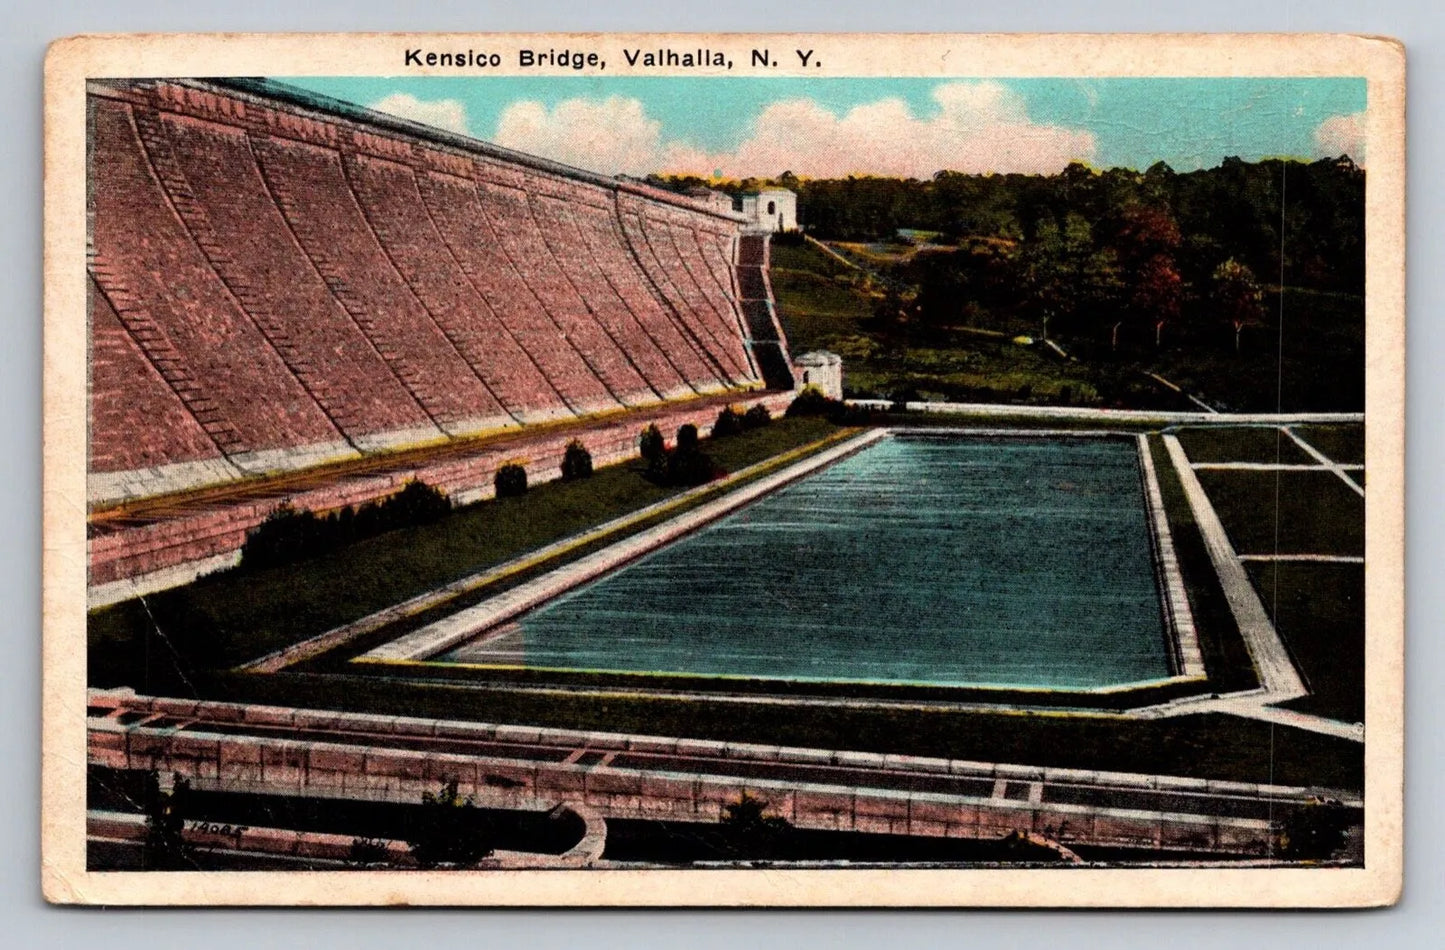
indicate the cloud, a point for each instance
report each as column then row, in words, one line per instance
column 1342, row 135
column 978, row 127
column 449, row 114
column 611, row 135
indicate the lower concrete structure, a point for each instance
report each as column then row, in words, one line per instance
column 241, row 748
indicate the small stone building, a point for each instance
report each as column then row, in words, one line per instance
column 772, row 209
column 821, row 369
column 715, row 200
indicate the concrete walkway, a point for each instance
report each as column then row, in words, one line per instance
column 1306, row 558
column 1271, row 659
column 1142, row 416
column 1270, row 467
column 1279, row 680
column 1325, row 461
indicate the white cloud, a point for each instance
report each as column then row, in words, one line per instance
column 449, row 114
column 610, row 136
column 1342, row 135
column 979, row 127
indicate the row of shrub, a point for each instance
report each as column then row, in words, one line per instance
column 685, row 464
column 731, row 422
column 511, row 478
column 291, row 534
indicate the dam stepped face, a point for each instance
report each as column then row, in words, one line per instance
column 279, row 282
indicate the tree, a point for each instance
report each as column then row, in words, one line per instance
column 165, row 846
column 1315, row 831
column 651, row 445
column 1237, row 295
column 1053, row 266
column 510, row 480
column 754, row 833
column 576, row 461
column 1158, row 292
column 729, row 422
column 450, row 831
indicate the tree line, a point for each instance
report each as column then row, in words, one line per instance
column 1102, row 251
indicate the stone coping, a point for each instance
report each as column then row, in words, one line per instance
column 126, row 699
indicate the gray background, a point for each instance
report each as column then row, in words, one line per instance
column 26, row 921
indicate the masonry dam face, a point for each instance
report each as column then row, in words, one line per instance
column 278, row 281
column 938, row 560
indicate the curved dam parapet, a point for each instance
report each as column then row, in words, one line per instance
column 278, row 281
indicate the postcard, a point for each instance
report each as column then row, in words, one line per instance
column 736, row 470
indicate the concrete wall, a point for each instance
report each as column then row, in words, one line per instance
column 263, row 764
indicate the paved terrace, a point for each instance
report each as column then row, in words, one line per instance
column 321, row 754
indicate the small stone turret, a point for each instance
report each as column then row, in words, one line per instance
column 821, row 369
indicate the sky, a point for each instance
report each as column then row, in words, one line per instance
column 740, row 127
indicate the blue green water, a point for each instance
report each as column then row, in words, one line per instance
column 939, row 560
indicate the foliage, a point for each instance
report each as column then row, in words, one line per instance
column 754, row 833
column 651, row 444
column 451, row 831
column 165, row 847
column 757, row 416
column 576, row 461
column 729, row 422
column 1237, row 296
column 289, row 535
column 1315, row 831
column 811, row 402
column 510, row 480
column 686, row 465
column 368, row 853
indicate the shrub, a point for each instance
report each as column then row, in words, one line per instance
column 368, row 853
column 754, row 833
column 812, row 402
column 576, row 462
column 1314, row 831
column 686, row 464
column 165, row 847
column 511, row 480
column 416, row 503
column 757, row 417
column 729, row 422
column 691, row 466
column 651, row 445
column 451, row 831
column 289, row 535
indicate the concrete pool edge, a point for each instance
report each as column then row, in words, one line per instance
column 450, row 631
column 1182, row 634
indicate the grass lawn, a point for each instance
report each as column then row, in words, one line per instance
column 1212, row 746
column 1319, row 610
column 1344, row 444
column 231, row 617
column 1287, row 512
column 1242, row 444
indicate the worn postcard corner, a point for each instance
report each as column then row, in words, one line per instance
column 737, row 470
